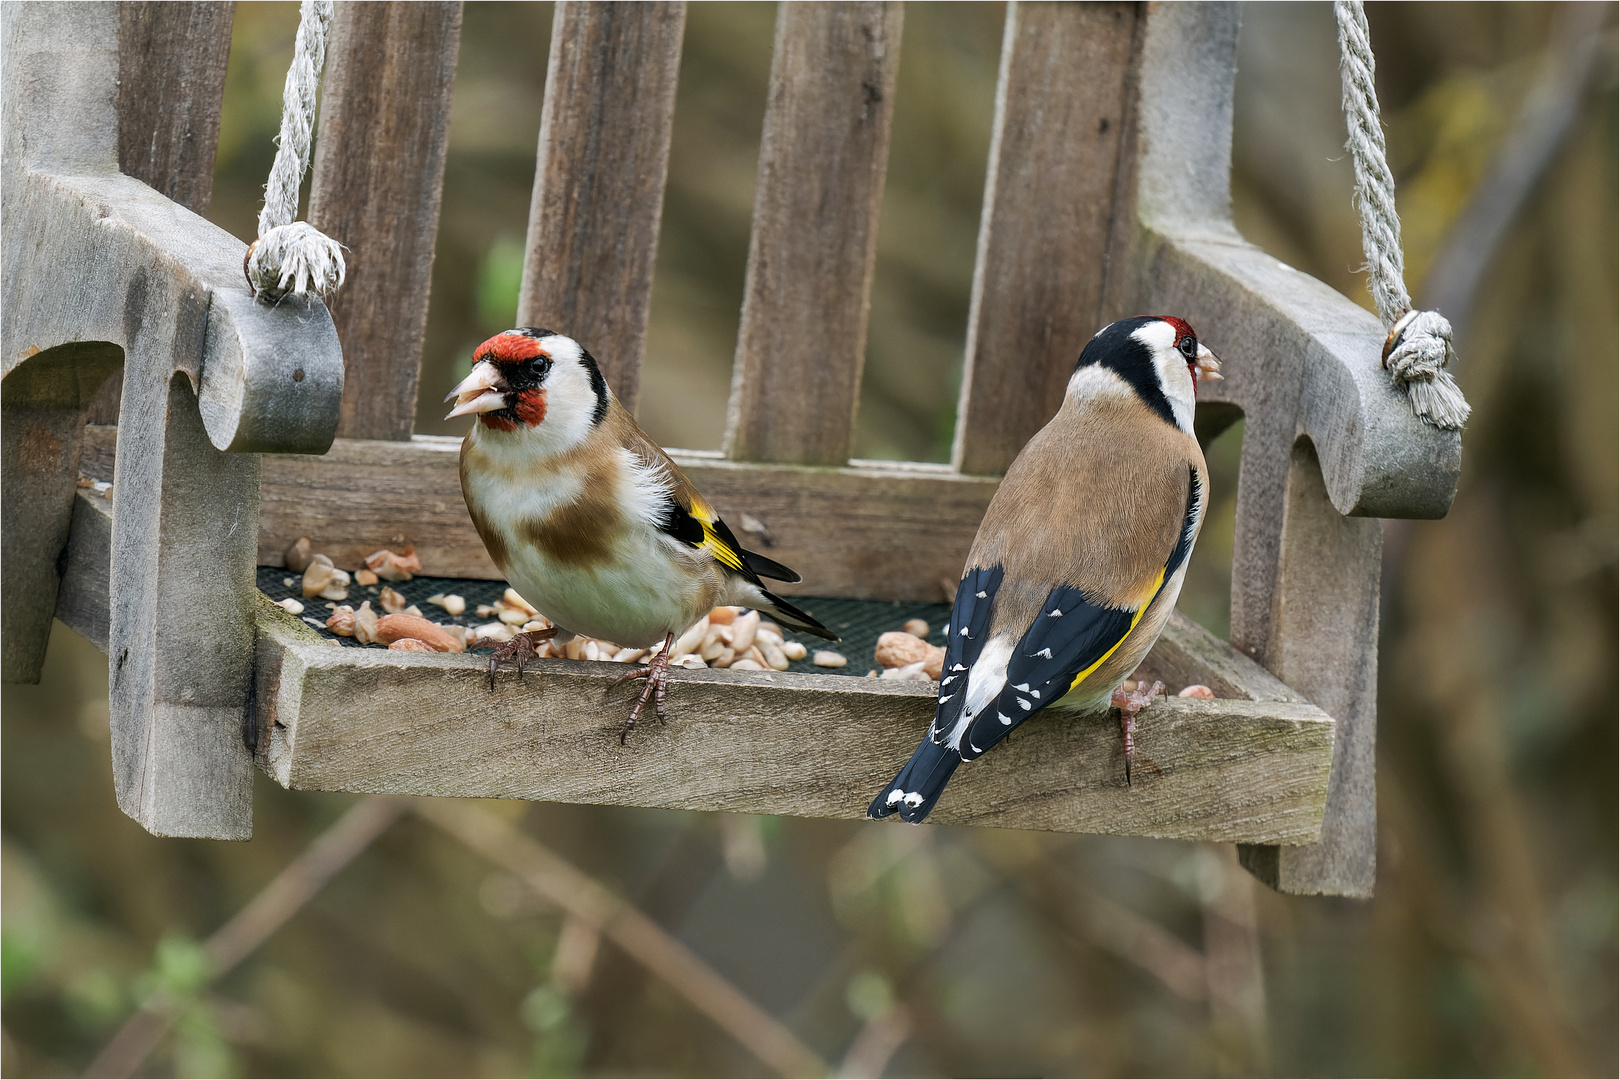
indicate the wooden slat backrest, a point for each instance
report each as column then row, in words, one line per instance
column 377, row 178
column 801, row 344
column 599, row 179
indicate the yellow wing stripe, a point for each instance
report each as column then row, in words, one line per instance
column 1078, row 679
column 717, row 548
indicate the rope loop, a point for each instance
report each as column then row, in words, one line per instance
column 1419, row 343
column 293, row 256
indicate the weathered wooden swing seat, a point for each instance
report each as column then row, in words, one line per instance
column 1107, row 195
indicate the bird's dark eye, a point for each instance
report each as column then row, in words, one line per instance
column 1189, row 348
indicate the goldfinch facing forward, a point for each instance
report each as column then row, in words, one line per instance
column 1080, row 557
column 586, row 516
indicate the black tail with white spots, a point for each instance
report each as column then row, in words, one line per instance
column 919, row 785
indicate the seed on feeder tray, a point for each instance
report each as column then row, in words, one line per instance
column 934, row 662
column 768, row 627
column 454, row 604
column 365, row 624
column 286, row 582
column 390, row 628
column 512, row 599
column 410, row 644
column 772, row 651
column 743, row 629
column 917, row 626
column 908, row 673
column 898, row 648
column 485, row 611
column 364, row 577
column 291, row 605
column 691, row 638
column 392, row 601
column 745, row 664
column 794, row 650
column 514, row 616
column 627, row 656
column 712, row 645
column 1198, row 690
column 341, row 621
column 1128, row 685
column 828, row 658
column 394, row 566
column 494, row 632
column 690, row 660
column 534, row 624
column 727, row 655
column 724, row 616
column 756, row 656
column 319, row 574
column 298, row 554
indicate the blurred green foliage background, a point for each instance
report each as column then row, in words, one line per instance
column 1491, row 946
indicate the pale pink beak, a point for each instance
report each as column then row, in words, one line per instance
column 1209, row 368
column 481, row 392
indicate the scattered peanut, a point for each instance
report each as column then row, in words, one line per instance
column 917, row 627
column 364, row 577
column 1129, row 685
column 394, row 566
column 410, row 644
column 723, row 616
column 341, row 621
column 1198, row 690
column 391, row 600
column 414, row 610
column 291, row 605
column 828, row 658
column 323, row 579
column 365, row 624
column 390, row 628
column 493, row 632
column 512, row 599
column 898, row 648
column 794, row 650
column 874, row 674
column 746, row 664
column 743, row 629
column 454, row 604
column 772, row 651
column 298, row 554
column 690, row 660
column 691, row 639
column 906, row 673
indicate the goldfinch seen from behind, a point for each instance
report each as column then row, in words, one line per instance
column 587, row 517
column 1080, row 557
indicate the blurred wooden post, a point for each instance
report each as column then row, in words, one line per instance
column 376, row 184
column 822, row 159
column 171, row 82
column 1043, row 234
column 599, row 179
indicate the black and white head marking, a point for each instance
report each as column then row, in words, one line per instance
column 1154, row 355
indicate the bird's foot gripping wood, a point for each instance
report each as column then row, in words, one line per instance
column 1129, row 704
column 656, row 672
column 525, row 646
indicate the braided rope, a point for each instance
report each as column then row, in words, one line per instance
column 294, row 256
column 1419, row 344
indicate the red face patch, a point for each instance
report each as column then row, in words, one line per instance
column 508, row 349
column 530, row 406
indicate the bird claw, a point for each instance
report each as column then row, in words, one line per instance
column 656, row 672
column 525, row 646
column 1129, row 703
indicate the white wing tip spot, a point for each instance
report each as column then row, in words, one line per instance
column 981, row 594
column 959, row 667
column 894, row 796
column 1047, row 652
column 1023, row 704
column 1054, row 613
column 1022, row 688
column 1036, row 694
column 913, row 799
column 964, row 631
column 1004, row 718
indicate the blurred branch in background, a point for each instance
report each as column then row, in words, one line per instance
column 586, row 900
column 232, row 943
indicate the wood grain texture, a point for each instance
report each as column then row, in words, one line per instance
column 171, row 84
column 375, row 188
column 871, row 531
column 43, row 402
column 599, row 179
column 81, row 603
column 1050, row 196
column 823, row 154
column 776, row 743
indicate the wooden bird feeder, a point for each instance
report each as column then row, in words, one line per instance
column 1108, row 195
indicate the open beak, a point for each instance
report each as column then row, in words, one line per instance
column 481, row 392
column 1209, row 368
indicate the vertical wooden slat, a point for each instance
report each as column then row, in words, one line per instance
column 378, row 175
column 171, row 82
column 1049, row 197
column 599, row 179
column 822, row 159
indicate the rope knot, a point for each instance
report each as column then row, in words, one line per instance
column 1415, row 355
column 296, row 258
